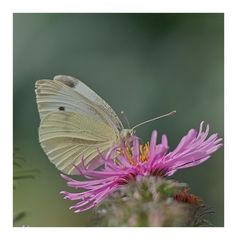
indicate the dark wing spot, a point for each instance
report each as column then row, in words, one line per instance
column 61, row 108
column 70, row 84
column 67, row 80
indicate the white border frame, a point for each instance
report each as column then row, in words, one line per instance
column 7, row 10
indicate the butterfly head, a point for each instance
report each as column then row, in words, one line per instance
column 126, row 133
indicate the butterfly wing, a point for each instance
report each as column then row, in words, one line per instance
column 70, row 94
column 67, row 137
column 75, row 122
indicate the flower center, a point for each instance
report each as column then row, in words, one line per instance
column 143, row 154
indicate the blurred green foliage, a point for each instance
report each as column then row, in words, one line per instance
column 143, row 64
column 20, row 172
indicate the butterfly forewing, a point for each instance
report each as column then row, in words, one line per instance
column 66, row 93
column 93, row 97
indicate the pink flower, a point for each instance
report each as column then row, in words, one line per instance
column 132, row 162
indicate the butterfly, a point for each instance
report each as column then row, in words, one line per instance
column 76, row 123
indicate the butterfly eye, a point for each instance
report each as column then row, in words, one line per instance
column 61, row 108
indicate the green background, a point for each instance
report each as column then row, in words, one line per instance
column 143, row 64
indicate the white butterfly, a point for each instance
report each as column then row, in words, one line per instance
column 76, row 123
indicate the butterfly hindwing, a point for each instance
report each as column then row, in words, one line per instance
column 67, row 137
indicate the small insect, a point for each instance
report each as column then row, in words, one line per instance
column 76, row 123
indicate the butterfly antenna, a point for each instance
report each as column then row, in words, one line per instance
column 126, row 119
column 153, row 119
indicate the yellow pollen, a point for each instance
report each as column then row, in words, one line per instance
column 129, row 151
column 143, row 154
